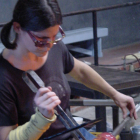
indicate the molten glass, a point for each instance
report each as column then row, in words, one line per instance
column 105, row 136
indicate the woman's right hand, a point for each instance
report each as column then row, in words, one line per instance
column 46, row 101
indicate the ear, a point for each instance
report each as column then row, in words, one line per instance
column 17, row 27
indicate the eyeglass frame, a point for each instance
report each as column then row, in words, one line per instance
column 37, row 42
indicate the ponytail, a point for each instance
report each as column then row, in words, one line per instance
column 5, row 36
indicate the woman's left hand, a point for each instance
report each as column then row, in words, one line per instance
column 125, row 102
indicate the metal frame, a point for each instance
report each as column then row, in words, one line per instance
column 94, row 19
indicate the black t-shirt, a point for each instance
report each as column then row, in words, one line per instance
column 16, row 98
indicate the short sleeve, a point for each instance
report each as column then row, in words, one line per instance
column 68, row 59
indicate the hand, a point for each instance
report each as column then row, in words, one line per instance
column 125, row 102
column 46, row 101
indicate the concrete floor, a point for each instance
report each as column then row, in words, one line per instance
column 114, row 56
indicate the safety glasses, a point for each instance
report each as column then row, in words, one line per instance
column 39, row 43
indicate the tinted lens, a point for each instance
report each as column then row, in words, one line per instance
column 40, row 44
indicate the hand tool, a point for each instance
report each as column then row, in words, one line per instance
column 35, row 82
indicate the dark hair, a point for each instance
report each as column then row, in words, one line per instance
column 32, row 15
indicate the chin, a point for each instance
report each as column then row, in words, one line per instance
column 41, row 54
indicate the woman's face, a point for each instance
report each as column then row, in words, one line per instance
column 28, row 40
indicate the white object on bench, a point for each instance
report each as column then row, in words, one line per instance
column 84, row 34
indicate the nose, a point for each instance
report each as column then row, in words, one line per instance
column 50, row 43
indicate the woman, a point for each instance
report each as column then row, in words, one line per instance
column 36, row 47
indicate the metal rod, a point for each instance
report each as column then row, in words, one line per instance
column 119, row 128
column 101, row 9
column 71, row 123
column 94, row 14
column 40, row 83
column 94, row 17
column 94, row 9
column 74, row 128
column 95, row 102
column 115, row 113
column 100, row 111
column 65, row 124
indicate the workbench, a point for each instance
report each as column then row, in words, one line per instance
column 124, row 81
column 85, row 34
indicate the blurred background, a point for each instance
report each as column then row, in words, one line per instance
column 123, row 23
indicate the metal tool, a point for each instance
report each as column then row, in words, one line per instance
column 63, row 117
column 74, row 128
column 118, row 129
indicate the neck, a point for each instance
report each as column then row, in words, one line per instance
column 24, row 60
column 22, row 53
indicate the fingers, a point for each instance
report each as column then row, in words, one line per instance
column 133, row 112
column 124, row 110
column 45, row 97
column 132, row 109
column 50, row 88
column 135, row 115
column 49, row 100
column 42, row 91
column 46, row 101
column 44, row 94
column 51, row 103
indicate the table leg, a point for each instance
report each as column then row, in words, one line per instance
column 100, row 113
column 115, row 115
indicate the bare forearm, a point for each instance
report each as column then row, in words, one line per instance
column 92, row 79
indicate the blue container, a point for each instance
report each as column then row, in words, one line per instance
column 136, row 132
